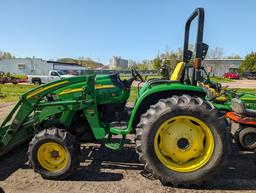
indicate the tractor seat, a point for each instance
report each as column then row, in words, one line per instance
column 177, row 73
column 239, row 108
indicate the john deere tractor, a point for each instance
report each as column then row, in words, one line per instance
column 181, row 138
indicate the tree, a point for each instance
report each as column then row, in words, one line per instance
column 144, row 65
column 233, row 56
column 131, row 63
column 156, row 63
column 6, row 55
column 249, row 64
column 84, row 62
column 215, row 53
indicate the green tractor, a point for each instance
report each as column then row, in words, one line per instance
column 221, row 96
column 181, row 137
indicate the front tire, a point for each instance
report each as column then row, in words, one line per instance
column 182, row 140
column 54, row 153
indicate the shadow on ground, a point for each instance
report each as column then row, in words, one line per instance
column 99, row 163
column 12, row 161
column 238, row 173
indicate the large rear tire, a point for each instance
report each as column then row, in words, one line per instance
column 182, row 140
column 54, row 153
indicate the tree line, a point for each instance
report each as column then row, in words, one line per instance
column 82, row 61
column 171, row 58
column 6, row 55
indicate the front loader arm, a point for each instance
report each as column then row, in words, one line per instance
column 16, row 128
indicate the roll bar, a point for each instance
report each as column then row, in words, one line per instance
column 200, row 48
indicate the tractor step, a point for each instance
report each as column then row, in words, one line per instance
column 119, row 125
column 115, row 143
column 116, row 128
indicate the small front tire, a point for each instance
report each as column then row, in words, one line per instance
column 54, row 153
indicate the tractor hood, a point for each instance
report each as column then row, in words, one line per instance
column 108, row 89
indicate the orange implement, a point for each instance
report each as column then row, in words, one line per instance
column 245, row 120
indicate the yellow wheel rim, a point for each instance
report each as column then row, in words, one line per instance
column 184, row 143
column 52, row 156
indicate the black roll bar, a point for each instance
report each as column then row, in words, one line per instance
column 200, row 29
column 200, row 47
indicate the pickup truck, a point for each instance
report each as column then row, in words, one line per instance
column 52, row 75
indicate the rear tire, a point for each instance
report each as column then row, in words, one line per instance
column 179, row 172
column 54, row 153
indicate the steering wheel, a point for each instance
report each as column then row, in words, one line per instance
column 137, row 75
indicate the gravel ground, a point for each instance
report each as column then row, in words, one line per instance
column 241, row 84
column 104, row 170
column 4, row 109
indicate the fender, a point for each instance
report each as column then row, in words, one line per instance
column 150, row 94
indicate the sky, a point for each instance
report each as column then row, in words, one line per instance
column 132, row 29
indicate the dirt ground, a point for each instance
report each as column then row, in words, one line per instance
column 4, row 109
column 241, row 84
column 103, row 170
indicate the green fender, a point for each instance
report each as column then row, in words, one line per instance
column 167, row 89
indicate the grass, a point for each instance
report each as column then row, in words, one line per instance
column 247, row 90
column 220, row 79
column 126, row 76
column 214, row 79
column 12, row 92
column 133, row 94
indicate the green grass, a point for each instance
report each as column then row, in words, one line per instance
column 247, row 90
column 214, row 79
column 133, row 94
column 12, row 92
column 126, row 76
column 220, row 79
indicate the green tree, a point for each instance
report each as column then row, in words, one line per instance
column 249, row 64
column 156, row 63
column 6, row 55
column 215, row 53
column 82, row 62
column 233, row 56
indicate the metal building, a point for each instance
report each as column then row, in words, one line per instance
column 25, row 66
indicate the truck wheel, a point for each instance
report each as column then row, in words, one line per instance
column 37, row 82
column 182, row 140
column 54, row 153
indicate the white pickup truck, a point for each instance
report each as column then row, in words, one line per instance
column 53, row 75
